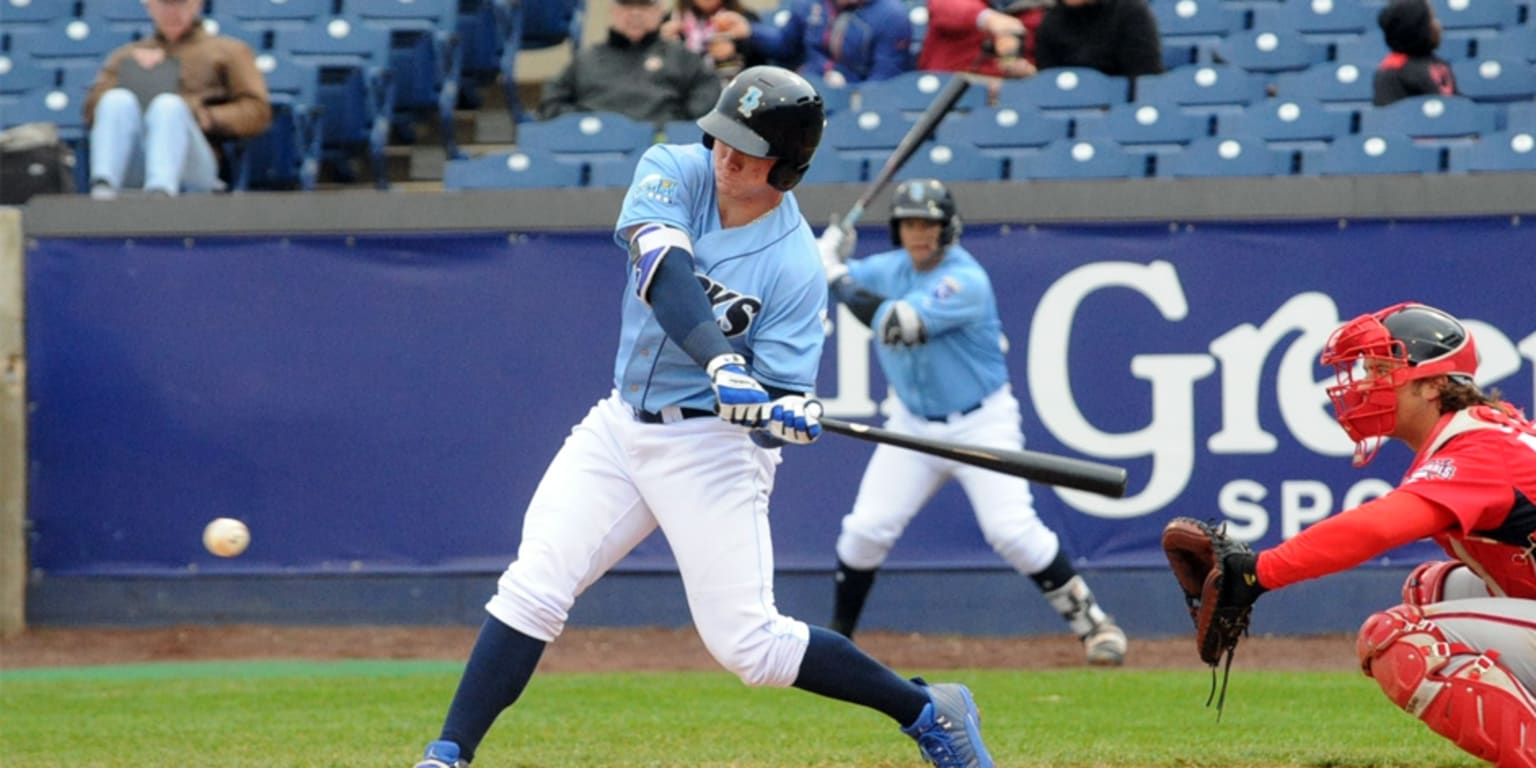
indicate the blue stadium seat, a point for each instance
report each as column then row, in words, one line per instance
column 917, row 16
column 1195, row 23
column 356, row 96
column 1065, row 89
column 1287, row 124
column 1373, row 153
column 1434, row 119
column 1225, row 156
column 1341, row 86
column 47, row 105
column 912, row 92
column 532, row 26
column 832, row 168
column 1321, row 20
column 126, row 15
column 613, row 171
column 288, row 155
column 16, row 14
column 586, row 137
column 1007, row 133
column 1491, row 79
column 425, row 57
column 868, row 134
column 951, row 162
column 16, row 79
column 77, row 82
column 482, row 39
column 1202, row 88
column 273, row 14
column 681, row 132
column 1082, row 159
column 1520, row 116
column 1475, row 18
column 1142, row 127
column 69, row 43
column 1271, row 50
column 519, row 169
column 1497, row 153
column 1511, row 44
column 834, row 98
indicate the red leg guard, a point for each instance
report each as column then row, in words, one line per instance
column 1426, row 584
column 1474, row 701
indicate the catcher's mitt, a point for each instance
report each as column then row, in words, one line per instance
column 1218, row 578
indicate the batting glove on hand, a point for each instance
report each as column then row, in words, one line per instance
column 836, row 245
column 741, row 399
column 795, row 419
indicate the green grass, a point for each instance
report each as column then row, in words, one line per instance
column 368, row 713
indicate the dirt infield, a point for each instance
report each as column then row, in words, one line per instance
column 587, row 650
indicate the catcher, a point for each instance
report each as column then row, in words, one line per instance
column 1459, row 653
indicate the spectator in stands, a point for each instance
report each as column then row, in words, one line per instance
column 692, row 24
column 841, row 41
column 995, row 38
column 160, row 104
column 1116, row 37
column 1411, row 69
column 635, row 72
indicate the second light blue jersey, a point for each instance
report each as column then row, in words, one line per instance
column 764, row 280
column 962, row 361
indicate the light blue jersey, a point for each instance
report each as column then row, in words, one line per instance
column 764, row 280
column 962, row 361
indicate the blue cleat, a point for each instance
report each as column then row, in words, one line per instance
column 948, row 732
column 442, row 754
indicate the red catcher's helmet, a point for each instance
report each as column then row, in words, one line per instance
column 1372, row 355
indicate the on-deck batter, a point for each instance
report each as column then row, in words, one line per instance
column 721, row 339
column 940, row 344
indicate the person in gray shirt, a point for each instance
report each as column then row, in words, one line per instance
column 634, row 72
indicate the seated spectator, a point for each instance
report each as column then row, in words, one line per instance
column 692, row 24
column 841, row 41
column 1411, row 69
column 995, row 38
column 1116, row 37
column 635, row 72
column 159, row 104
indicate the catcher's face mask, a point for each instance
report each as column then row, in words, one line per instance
column 1375, row 354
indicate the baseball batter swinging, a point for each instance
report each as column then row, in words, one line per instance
column 940, row 344
column 721, row 339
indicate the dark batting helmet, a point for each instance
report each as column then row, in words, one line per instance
column 769, row 112
column 924, row 199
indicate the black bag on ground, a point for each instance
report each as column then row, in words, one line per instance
column 34, row 162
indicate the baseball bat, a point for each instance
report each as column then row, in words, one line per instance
column 916, row 135
column 1090, row 476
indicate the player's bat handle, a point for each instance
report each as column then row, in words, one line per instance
column 1067, row 472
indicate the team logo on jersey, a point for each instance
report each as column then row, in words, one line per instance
column 1434, row 469
column 739, row 310
column 657, row 188
column 946, row 288
column 750, row 101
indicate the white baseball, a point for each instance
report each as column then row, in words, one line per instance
column 226, row 537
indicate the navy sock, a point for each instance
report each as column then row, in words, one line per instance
column 834, row 667
column 499, row 668
column 1054, row 575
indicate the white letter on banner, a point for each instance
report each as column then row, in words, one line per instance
column 1302, row 502
column 852, row 398
column 1169, row 438
column 1303, row 400
column 1239, row 503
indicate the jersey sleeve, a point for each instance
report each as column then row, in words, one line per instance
column 1470, row 477
column 959, row 298
column 1352, row 537
column 661, row 193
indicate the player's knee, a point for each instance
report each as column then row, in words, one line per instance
column 764, row 655
column 1027, row 545
column 1400, row 648
column 860, row 550
column 524, row 605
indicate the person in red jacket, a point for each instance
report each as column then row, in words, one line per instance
column 995, row 38
column 1412, row 68
column 1459, row 653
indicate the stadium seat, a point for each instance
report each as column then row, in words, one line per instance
column 917, row 16
column 834, row 98
column 1184, row 24
column 530, row 25
column 951, row 162
column 425, row 58
column 1202, row 88
column 1491, row 79
column 867, row 134
column 1497, row 153
column 1287, row 123
column 613, row 171
column 912, row 92
column 519, row 169
column 832, row 168
column 481, row 38
column 124, row 15
column 1373, row 153
column 1339, row 86
column 1065, row 89
column 1007, row 133
column 273, row 14
column 37, row 12
column 1434, row 119
column 1511, row 44
column 681, row 132
column 1270, row 50
column 1141, row 127
column 586, row 137
column 1321, row 21
column 288, row 155
column 355, row 95
column 47, row 105
column 69, row 43
column 1474, row 18
column 1520, row 116
column 1225, row 156
column 1082, row 159
column 16, row 80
